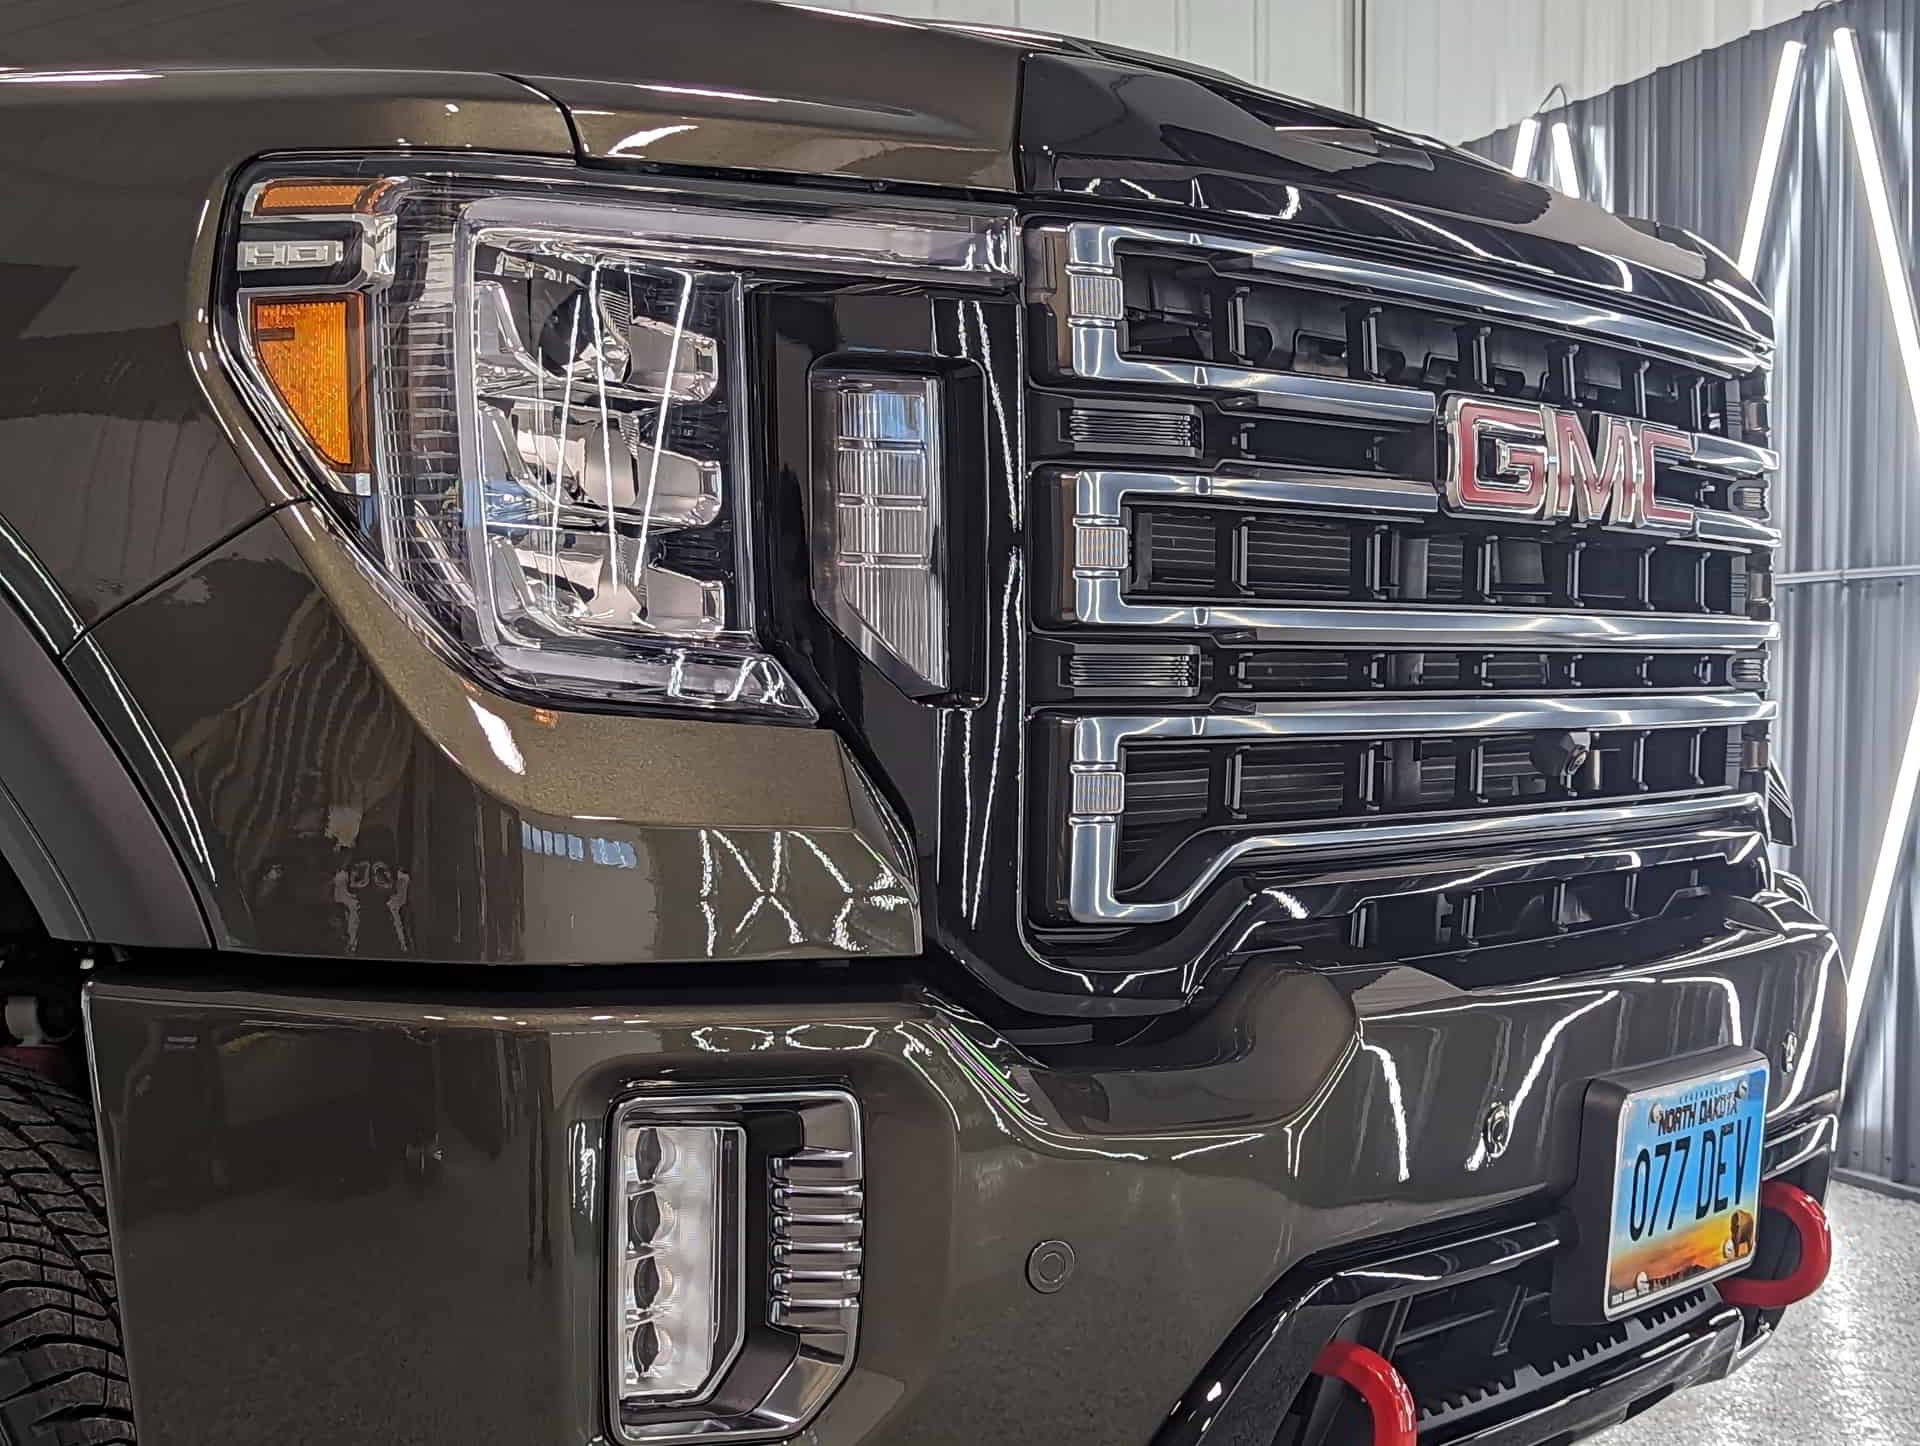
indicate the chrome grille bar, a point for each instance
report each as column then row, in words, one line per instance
column 1097, row 741
column 1098, row 598
column 1094, row 847
column 1100, row 492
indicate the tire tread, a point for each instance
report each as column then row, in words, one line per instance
column 63, row 1377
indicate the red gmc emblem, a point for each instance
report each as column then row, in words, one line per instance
column 1520, row 459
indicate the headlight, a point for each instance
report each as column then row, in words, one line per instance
column 533, row 400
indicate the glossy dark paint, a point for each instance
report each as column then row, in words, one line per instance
column 340, row 789
column 1100, row 131
column 123, row 466
column 734, row 83
column 75, row 830
column 951, row 766
column 352, row 1205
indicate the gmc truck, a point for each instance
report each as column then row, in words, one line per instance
column 726, row 723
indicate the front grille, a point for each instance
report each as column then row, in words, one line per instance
column 1241, row 515
column 1480, row 931
column 1234, row 555
column 1217, row 307
column 1171, row 793
column 1215, row 671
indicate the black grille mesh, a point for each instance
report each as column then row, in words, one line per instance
column 1229, row 554
column 1173, row 791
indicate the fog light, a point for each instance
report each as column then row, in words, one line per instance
column 878, row 536
column 711, row 1335
column 676, row 1229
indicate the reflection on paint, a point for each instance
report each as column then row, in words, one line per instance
column 752, row 881
column 551, row 843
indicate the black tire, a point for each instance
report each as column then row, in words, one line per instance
column 63, row 1380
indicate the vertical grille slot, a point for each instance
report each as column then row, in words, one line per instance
column 1168, row 790
column 1419, row 773
column 1678, row 580
column 1446, row 568
column 1672, row 761
column 1300, row 670
column 1279, row 781
column 1504, row 771
column 1516, row 670
column 1283, row 557
column 1177, row 550
column 1611, row 576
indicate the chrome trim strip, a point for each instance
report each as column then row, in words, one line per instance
column 1793, row 1147
column 1093, row 247
column 1337, row 893
column 1723, row 454
column 1098, row 600
column 1097, row 741
column 1096, row 354
column 1094, row 847
column 1097, row 492
column 1715, row 526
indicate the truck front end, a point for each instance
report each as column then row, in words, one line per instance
column 1017, row 745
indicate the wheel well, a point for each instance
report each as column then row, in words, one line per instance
column 41, row 979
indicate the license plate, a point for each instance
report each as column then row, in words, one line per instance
column 1667, row 1196
column 1686, row 1185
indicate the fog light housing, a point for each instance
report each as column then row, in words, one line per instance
column 710, row 1333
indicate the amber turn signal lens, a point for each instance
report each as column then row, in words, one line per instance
column 313, row 352
column 315, row 197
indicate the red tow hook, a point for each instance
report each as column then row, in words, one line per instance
column 1809, row 1222
column 1395, row 1421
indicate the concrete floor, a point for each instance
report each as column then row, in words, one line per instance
column 1844, row 1367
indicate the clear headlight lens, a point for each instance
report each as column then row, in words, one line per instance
column 598, row 390
column 538, row 407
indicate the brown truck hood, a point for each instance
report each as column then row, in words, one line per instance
column 768, row 86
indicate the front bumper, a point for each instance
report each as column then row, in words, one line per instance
column 362, row 1210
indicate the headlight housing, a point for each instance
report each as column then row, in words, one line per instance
column 534, row 401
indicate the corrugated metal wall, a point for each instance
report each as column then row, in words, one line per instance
column 1461, row 68
column 1681, row 146
column 1447, row 68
